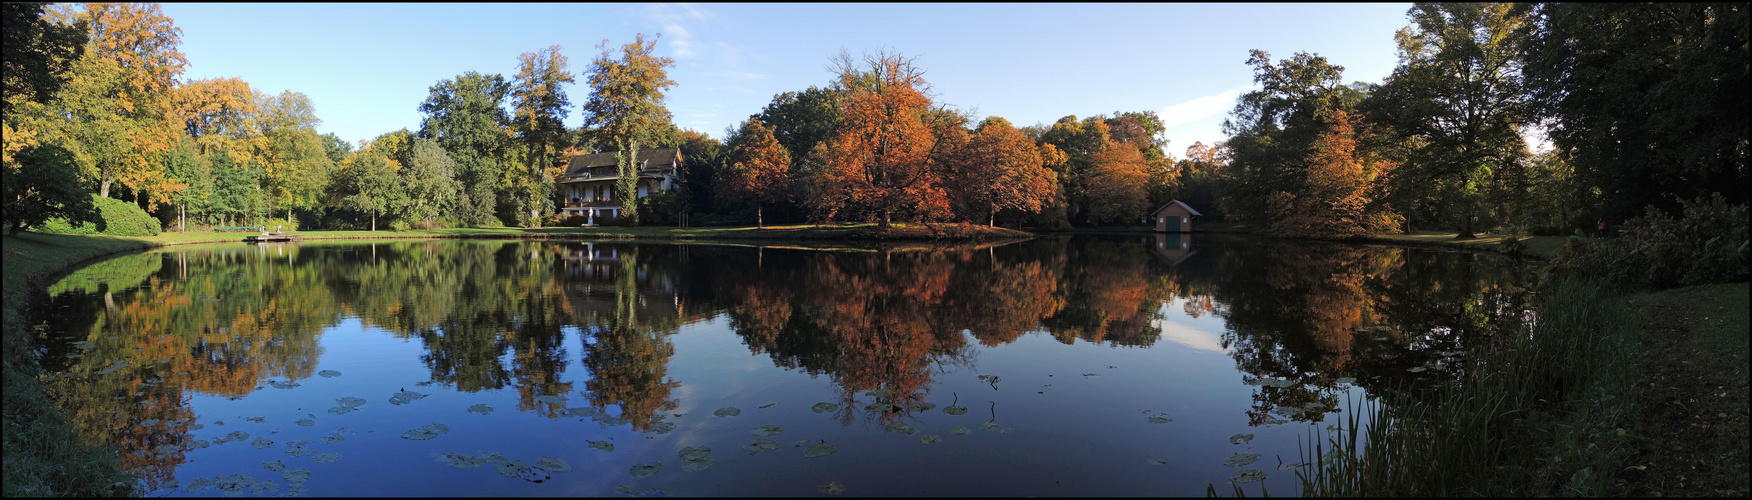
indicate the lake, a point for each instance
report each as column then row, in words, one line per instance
column 1142, row 365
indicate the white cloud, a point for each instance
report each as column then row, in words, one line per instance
column 1198, row 109
column 670, row 18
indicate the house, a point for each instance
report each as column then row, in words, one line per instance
column 587, row 187
column 1175, row 217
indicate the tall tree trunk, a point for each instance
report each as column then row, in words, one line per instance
column 373, row 224
column 759, row 221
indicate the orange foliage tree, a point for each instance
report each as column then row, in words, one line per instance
column 878, row 161
column 759, row 172
column 1342, row 186
column 1116, row 185
column 1000, row 169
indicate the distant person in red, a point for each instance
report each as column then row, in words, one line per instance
column 1600, row 228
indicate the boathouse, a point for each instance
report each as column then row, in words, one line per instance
column 1175, row 217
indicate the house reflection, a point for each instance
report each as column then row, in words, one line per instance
column 1173, row 248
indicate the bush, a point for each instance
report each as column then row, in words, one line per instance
column 1707, row 245
column 120, row 218
column 430, row 224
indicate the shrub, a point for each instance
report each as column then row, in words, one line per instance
column 1707, row 245
column 120, row 218
column 430, row 224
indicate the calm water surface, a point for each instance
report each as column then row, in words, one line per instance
column 1080, row 366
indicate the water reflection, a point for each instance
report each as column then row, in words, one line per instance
column 132, row 339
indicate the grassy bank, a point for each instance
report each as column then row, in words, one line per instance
column 1566, row 408
column 1544, row 247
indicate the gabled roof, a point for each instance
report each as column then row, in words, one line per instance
column 657, row 157
column 1182, row 205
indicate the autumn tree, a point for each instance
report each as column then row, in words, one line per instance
column 464, row 115
column 759, row 173
column 878, row 161
column 119, row 89
column 1343, row 185
column 40, row 177
column 539, row 106
column 626, row 107
column 1000, row 169
column 1116, row 184
column 1271, row 130
column 1078, row 141
column 368, row 184
column 298, row 168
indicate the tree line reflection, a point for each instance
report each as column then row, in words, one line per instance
column 161, row 327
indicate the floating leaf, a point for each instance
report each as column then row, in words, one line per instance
column 698, row 464
column 768, row 405
column 955, row 410
column 1240, row 438
column 663, row 428
column 583, row 412
column 233, row 436
column 297, row 475
column 1158, row 419
column 425, row 432
column 510, row 468
column 823, row 407
column 407, row 396
column 878, row 406
column 692, row 453
column 920, row 406
column 305, row 422
column 627, row 489
column 333, row 438
column 262, row 443
column 1091, row 375
column 552, row 464
column 552, row 400
column 350, row 401
column 760, row 445
column 283, row 385
column 900, row 427
column 323, row 458
column 612, row 421
column 601, row 445
column 1240, row 459
column 274, row 465
column 200, row 443
column 800, row 443
column 329, row 373
column 1416, row 369
column 766, row 430
column 256, row 419
column 341, row 410
column 962, row 431
column 643, row 470
column 819, row 450
column 728, row 411
column 299, row 452
column 927, row 439
column 464, row 460
column 832, row 488
column 1248, row 476
column 481, row 408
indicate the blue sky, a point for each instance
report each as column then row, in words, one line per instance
column 368, row 66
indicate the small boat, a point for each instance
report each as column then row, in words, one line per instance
column 272, row 236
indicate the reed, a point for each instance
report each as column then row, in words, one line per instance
column 1537, row 410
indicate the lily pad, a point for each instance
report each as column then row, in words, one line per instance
column 1158, row 419
column 350, row 401
column 921, row 406
column 1416, row 369
column 823, row 407
column 612, row 421
column 697, row 465
column 1248, row 476
column 482, row 408
column 582, row 412
column 1240, row 459
column 425, row 432
column 628, row 490
column 819, row 450
column 464, row 460
column 405, row 397
column 930, row 439
column 332, row 438
column 766, row 430
column 510, row 468
column 329, row 373
column 832, row 488
column 601, row 445
column 262, row 443
column 305, row 422
column 900, row 427
column 552, row 464
column 990, row 379
column 692, row 453
column 961, row 431
column 879, row 393
column 256, row 419
column 878, row 406
column 663, row 427
column 233, row 436
column 274, row 465
column 1240, row 438
column 283, row 385
column 297, row 475
column 728, row 411
column 552, row 400
column 200, row 443
column 342, row 410
column 1091, row 375
column 643, row 470
column 955, row 410
column 760, row 445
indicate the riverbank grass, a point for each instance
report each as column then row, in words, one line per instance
column 1537, row 246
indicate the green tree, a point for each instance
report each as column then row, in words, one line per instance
column 429, row 182
column 539, row 106
column 1458, row 93
column 43, row 185
column 369, row 184
column 1647, row 102
column 298, row 166
column 626, row 106
column 185, row 165
column 464, row 115
column 37, row 54
column 120, row 91
column 1272, row 130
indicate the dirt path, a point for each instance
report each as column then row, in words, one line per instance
column 1694, row 402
